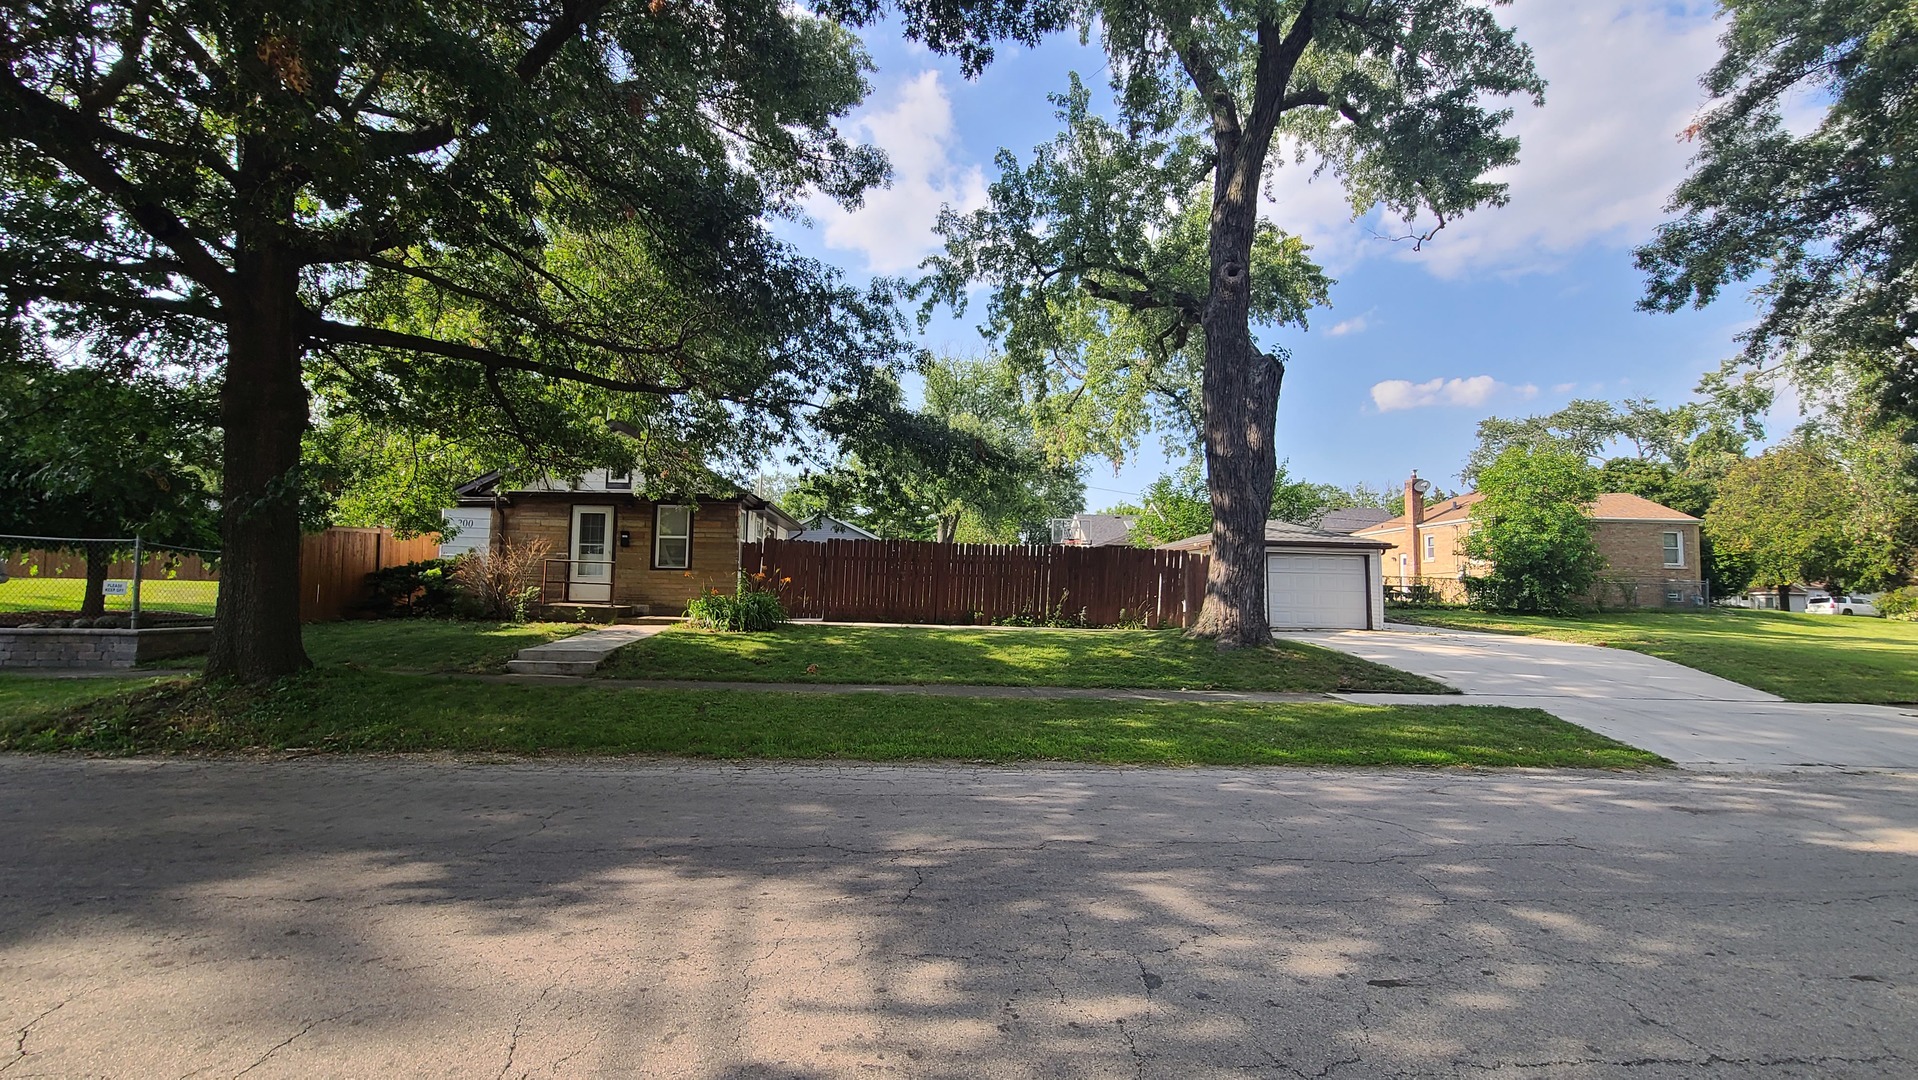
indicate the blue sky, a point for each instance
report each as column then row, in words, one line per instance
column 1510, row 311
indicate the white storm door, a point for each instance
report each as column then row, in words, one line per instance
column 589, row 579
column 1315, row 592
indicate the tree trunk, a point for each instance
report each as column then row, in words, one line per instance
column 93, row 603
column 1784, row 598
column 947, row 530
column 263, row 411
column 1241, row 395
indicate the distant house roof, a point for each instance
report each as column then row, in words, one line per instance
column 1350, row 519
column 1287, row 534
column 1611, row 506
column 822, row 527
column 1094, row 530
column 484, row 489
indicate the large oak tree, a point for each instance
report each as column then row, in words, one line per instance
column 445, row 203
column 1131, row 249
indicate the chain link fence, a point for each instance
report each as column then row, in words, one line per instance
column 64, row 581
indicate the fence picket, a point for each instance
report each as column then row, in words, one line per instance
column 908, row 581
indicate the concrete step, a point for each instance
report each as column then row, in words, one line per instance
column 576, row 655
column 551, row 667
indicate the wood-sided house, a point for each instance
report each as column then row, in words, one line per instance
column 613, row 548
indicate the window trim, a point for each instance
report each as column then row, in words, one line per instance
column 692, row 516
column 1677, row 536
column 1431, row 547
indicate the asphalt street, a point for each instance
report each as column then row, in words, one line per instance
column 385, row 917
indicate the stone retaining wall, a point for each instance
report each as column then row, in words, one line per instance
column 41, row 649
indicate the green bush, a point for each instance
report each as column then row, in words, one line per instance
column 752, row 607
column 1900, row 603
column 412, row 590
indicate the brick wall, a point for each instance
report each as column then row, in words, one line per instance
column 715, row 554
column 1633, row 550
column 35, row 648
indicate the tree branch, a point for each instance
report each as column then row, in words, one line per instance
column 54, row 130
column 1278, row 59
column 573, row 16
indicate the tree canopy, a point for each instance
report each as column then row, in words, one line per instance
column 1822, row 217
column 966, row 467
column 1532, row 528
column 92, row 454
column 1129, row 258
column 541, row 222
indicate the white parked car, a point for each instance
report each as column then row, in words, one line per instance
column 1841, row 605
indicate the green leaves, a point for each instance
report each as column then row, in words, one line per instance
column 1825, row 220
column 1532, row 528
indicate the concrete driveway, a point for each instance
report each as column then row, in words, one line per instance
column 1695, row 719
column 409, row 917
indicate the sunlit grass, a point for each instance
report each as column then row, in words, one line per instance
column 66, row 594
column 1798, row 657
column 1155, row 659
column 343, row 709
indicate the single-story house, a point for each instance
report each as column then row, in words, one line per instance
column 611, row 547
column 822, row 527
column 1648, row 547
column 1315, row 580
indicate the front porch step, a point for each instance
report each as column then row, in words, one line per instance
column 577, row 655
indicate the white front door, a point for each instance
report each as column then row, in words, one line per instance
column 589, row 579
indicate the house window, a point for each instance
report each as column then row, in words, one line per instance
column 672, row 537
column 1674, row 548
column 619, row 481
column 1431, row 547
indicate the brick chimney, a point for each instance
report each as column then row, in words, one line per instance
column 1414, row 517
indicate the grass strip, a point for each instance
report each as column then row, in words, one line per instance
column 347, row 710
column 889, row 655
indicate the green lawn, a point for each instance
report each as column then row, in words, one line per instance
column 343, row 709
column 1797, row 657
column 427, row 644
column 1138, row 659
column 417, row 645
column 64, row 594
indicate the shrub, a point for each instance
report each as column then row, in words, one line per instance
column 752, row 607
column 501, row 584
column 415, row 589
column 1900, row 603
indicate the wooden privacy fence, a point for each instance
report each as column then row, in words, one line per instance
column 334, row 565
column 156, row 565
column 907, row 581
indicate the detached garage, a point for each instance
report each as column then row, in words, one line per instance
column 1317, row 580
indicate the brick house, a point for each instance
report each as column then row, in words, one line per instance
column 1651, row 550
column 611, row 548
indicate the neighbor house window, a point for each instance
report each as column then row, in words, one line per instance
column 1431, row 547
column 1674, row 548
column 672, row 537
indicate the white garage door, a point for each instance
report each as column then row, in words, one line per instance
column 1315, row 592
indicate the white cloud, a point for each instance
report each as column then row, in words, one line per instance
column 1392, row 395
column 1596, row 163
column 1354, row 325
column 1564, row 388
column 893, row 230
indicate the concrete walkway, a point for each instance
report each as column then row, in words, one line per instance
column 1697, row 720
column 450, row 917
column 580, row 654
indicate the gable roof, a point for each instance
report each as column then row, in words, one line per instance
column 1097, row 530
column 1610, row 506
column 826, row 527
column 1287, row 534
column 1350, row 519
